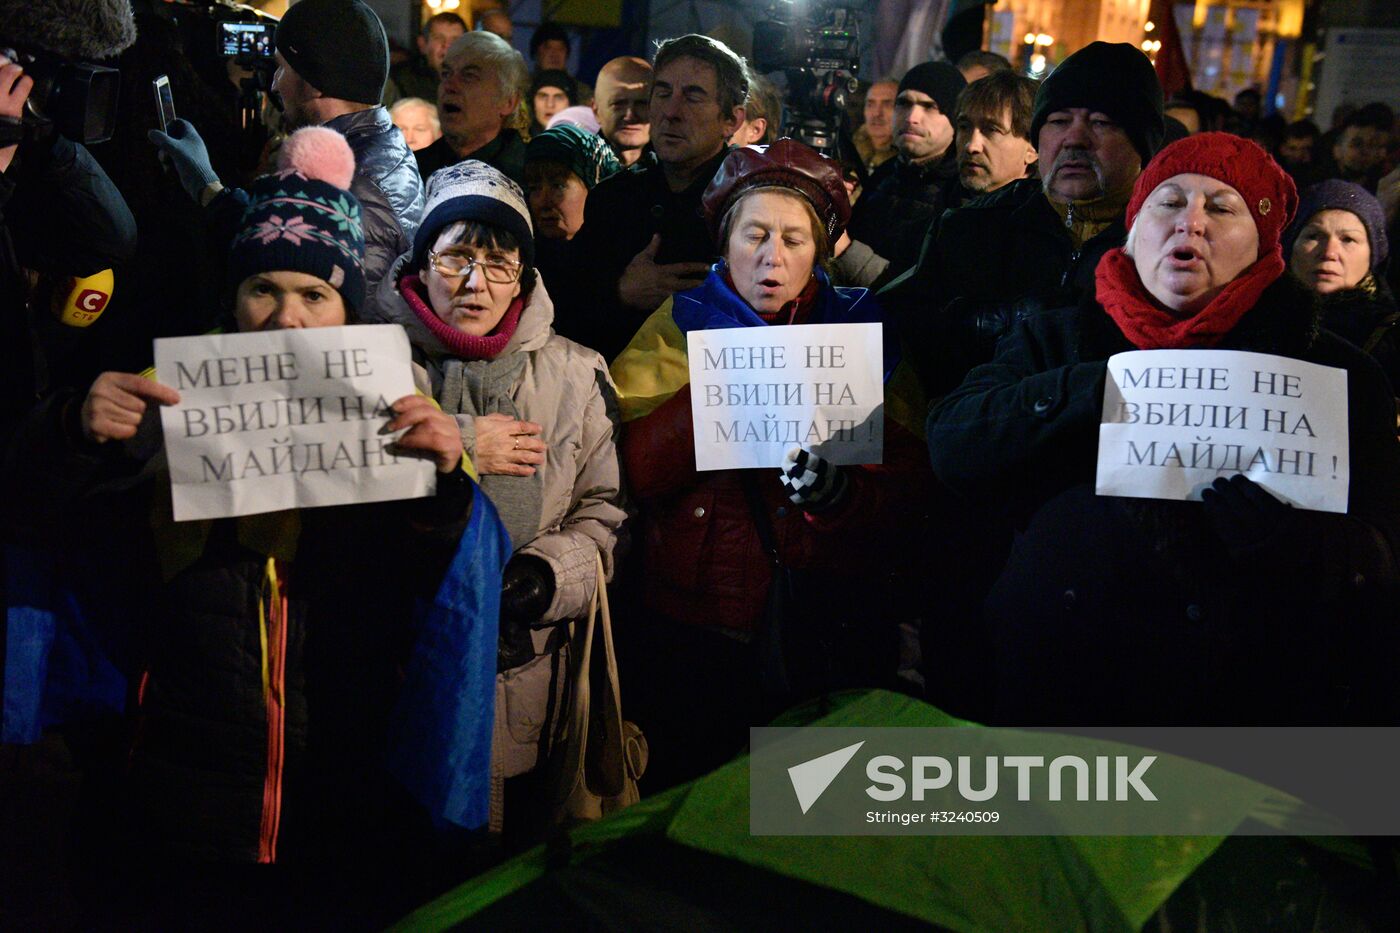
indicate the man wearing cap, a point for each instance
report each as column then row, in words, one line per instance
column 1034, row 243
column 332, row 63
column 909, row 191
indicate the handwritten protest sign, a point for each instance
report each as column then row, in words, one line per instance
column 286, row 419
column 1174, row 420
column 757, row 391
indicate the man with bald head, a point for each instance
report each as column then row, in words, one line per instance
column 620, row 101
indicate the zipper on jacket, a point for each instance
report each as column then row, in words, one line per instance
column 272, row 633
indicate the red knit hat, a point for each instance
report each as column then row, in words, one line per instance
column 1241, row 164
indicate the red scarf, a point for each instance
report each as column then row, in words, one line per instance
column 1148, row 326
column 462, row 346
column 797, row 311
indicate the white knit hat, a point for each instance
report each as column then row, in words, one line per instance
column 473, row 190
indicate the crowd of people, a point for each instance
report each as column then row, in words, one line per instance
column 548, row 247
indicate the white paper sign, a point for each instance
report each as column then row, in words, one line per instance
column 1175, row 420
column 758, row 391
column 286, row 419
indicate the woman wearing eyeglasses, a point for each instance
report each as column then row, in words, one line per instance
column 533, row 410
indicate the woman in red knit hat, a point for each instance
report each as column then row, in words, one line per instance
column 1236, row 608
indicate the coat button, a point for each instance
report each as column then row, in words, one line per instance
column 1043, row 404
column 1070, row 598
column 782, row 511
column 1194, row 612
column 699, row 511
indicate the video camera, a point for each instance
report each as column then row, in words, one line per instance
column 75, row 99
column 247, row 37
column 819, row 52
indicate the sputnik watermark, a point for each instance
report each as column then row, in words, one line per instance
column 966, row 780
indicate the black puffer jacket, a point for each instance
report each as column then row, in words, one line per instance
column 387, row 184
column 234, row 761
column 983, row 267
column 1132, row 611
column 901, row 202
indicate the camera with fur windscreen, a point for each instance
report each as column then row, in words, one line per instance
column 58, row 43
column 818, row 50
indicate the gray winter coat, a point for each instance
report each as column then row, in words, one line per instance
column 567, row 512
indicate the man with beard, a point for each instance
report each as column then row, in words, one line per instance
column 993, row 131
column 909, row 191
column 1034, row 243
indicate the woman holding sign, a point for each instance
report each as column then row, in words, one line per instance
column 275, row 643
column 533, row 411
column 759, row 587
column 1236, row 608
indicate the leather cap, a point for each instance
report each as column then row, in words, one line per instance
column 785, row 164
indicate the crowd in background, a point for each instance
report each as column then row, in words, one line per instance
column 548, row 246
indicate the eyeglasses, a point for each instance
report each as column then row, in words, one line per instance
column 455, row 266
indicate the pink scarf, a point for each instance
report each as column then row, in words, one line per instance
column 463, row 346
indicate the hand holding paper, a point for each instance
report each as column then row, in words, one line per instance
column 429, row 430
column 117, row 402
column 1242, row 513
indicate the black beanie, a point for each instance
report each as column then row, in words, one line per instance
column 938, row 80
column 338, row 47
column 1113, row 78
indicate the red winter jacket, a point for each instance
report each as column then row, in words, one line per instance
column 704, row 562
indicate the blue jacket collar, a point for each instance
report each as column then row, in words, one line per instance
column 713, row 305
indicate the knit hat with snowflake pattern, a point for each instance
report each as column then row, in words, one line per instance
column 303, row 218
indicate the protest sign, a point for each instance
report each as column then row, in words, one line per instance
column 1175, row 420
column 286, row 419
column 758, row 391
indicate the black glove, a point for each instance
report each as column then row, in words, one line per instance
column 527, row 589
column 1244, row 514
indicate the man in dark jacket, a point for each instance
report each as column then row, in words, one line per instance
column 60, row 217
column 333, row 60
column 642, row 238
column 1034, row 243
column 483, row 78
column 908, row 192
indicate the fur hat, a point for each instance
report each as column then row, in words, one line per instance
column 1337, row 195
column 1110, row 77
column 338, row 47
column 1267, row 190
column 785, row 164
column 302, row 219
column 90, row 30
column 474, row 191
